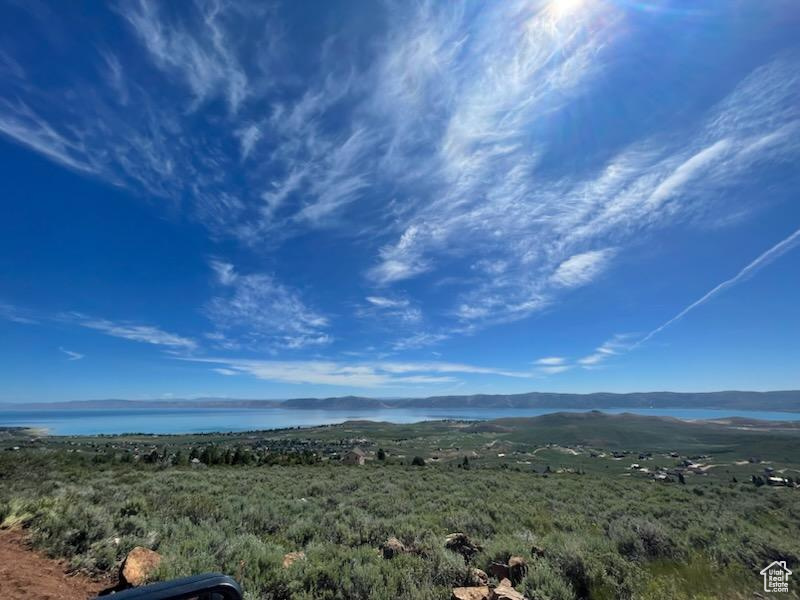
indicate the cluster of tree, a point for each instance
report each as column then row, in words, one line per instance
column 214, row 455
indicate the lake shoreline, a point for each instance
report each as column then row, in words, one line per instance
column 157, row 421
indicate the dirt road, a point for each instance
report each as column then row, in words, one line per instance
column 28, row 575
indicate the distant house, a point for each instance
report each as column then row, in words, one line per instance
column 777, row 481
column 356, row 456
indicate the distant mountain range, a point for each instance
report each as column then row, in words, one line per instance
column 783, row 401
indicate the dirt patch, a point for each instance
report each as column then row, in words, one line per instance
column 28, row 575
column 561, row 449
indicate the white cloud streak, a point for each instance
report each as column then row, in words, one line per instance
column 17, row 315
column 359, row 375
column 760, row 262
column 71, row 355
column 204, row 57
column 393, row 309
column 259, row 311
column 551, row 361
column 624, row 343
column 248, row 138
column 618, row 344
column 419, row 339
column 382, row 302
column 127, row 330
column 583, row 268
column 146, row 334
column 19, row 122
column 532, row 238
column 444, row 367
column 431, row 151
column 554, row 370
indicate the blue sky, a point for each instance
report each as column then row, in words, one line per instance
column 408, row 198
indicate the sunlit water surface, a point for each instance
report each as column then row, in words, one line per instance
column 195, row 420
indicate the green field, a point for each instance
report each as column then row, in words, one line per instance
column 558, row 490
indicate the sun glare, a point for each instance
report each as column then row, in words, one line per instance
column 559, row 9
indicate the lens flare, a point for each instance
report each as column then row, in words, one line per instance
column 558, row 9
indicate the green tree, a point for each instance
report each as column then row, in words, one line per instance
column 180, row 459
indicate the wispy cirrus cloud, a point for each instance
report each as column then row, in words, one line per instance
column 254, row 309
column 434, row 151
column 552, row 365
column 147, row 334
column 420, row 339
column 118, row 128
column 359, row 375
column 204, row 56
column 249, row 135
column 21, row 123
column 71, row 355
column 445, row 367
column 554, row 370
column 551, row 361
column 383, row 302
column 397, row 309
column 545, row 234
column 617, row 344
column 583, row 268
column 128, row 330
column 15, row 314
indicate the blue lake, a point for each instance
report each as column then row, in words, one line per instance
column 195, row 420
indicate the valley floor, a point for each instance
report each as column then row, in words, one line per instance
column 561, row 492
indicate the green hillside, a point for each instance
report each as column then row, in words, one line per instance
column 579, row 497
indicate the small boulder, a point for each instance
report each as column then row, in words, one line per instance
column 504, row 591
column 139, row 566
column 517, row 568
column 499, row 570
column 393, row 547
column 471, row 593
column 291, row 558
column 505, row 583
column 461, row 544
column 477, row 577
